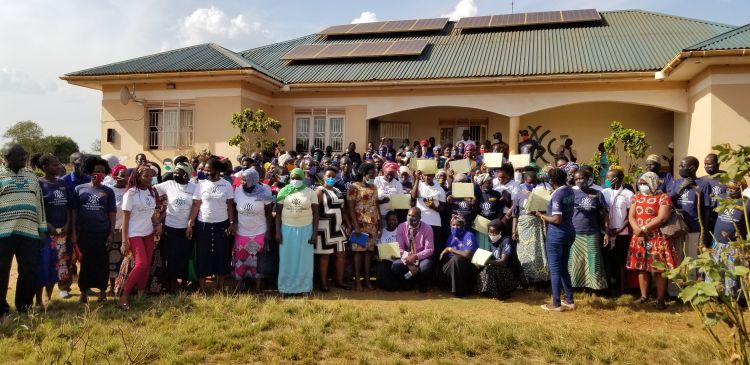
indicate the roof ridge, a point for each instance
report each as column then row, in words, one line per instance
column 242, row 61
column 671, row 16
column 276, row 44
column 141, row 57
column 719, row 38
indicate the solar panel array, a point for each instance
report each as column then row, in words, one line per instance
column 536, row 18
column 396, row 26
column 356, row 50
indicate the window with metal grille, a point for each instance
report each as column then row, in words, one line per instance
column 319, row 128
column 170, row 125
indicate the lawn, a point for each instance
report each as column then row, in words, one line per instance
column 350, row 327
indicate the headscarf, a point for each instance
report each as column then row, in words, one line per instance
column 289, row 188
column 458, row 218
column 117, row 169
column 404, row 169
column 284, row 159
column 460, row 178
column 390, row 167
column 266, row 166
column 469, row 148
column 260, row 192
column 570, row 167
column 654, row 158
column 652, row 180
column 184, row 166
column 482, row 178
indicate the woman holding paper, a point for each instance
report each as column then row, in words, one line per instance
column 431, row 201
column 333, row 228
column 497, row 278
column 491, row 205
column 387, row 185
column 589, row 219
column 528, row 231
column 457, row 269
column 365, row 218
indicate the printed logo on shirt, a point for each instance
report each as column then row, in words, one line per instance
column 463, row 205
column 93, row 199
column 249, row 209
column 684, row 197
column 180, row 202
column 59, row 194
column 485, row 207
column 587, row 203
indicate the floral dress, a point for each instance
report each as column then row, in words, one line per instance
column 364, row 201
column 654, row 247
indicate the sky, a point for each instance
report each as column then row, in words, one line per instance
column 42, row 40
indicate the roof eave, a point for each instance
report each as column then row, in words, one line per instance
column 684, row 55
column 96, row 81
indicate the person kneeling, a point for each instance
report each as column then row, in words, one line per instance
column 497, row 278
column 416, row 245
column 457, row 269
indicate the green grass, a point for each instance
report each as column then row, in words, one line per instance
column 364, row 328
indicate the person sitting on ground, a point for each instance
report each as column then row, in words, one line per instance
column 497, row 278
column 457, row 270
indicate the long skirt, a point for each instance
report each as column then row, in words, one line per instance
column 586, row 263
column 213, row 248
column 530, row 249
column 47, row 267
column 296, row 260
column 175, row 249
column 115, row 256
column 724, row 254
column 64, row 262
column 245, row 256
column 460, row 274
column 94, row 261
column 496, row 281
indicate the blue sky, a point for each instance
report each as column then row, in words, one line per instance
column 42, row 40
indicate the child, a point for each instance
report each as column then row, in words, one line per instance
column 391, row 223
column 497, row 278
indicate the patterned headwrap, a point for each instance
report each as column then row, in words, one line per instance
column 469, row 148
column 460, row 178
column 482, row 178
column 652, row 180
column 390, row 167
column 456, row 218
column 570, row 167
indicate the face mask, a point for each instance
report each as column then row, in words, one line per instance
column 458, row 232
column 284, row 178
column 529, row 187
column 496, row 140
column 201, row 175
column 182, row 180
column 154, row 180
column 409, row 154
column 607, row 184
column 643, row 188
column 98, row 177
column 330, row 181
column 524, row 138
column 370, row 181
column 685, row 173
column 495, row 238
column 297, row 183
column 413, row 221
column 461, row 150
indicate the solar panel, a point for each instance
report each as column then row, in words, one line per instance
column 396, row 26
column 370, row 49
column 337, row 50
column 406, row 48
column 354, row 50
column 534, row 18
column 304, row 51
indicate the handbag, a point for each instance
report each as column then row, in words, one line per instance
column 122, row 276
column 675, row 226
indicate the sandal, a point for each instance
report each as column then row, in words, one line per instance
column 123, row 307
column 641, row 300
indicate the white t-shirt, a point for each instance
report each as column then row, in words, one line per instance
column 388, row 236
column 385, row 190
column 618, row 211
column 512, row 186
column 141, row 205
column 213, row 197
column 251, row 214
column 119, row 192
column 179, row 202
column 429, row 216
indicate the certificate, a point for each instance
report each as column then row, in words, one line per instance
column 481, row 224
column 401, row 201
column 389, row 251
column 538, row 200
column 427, row 166
column 462, row 190
column 480, row 257
column 493, row 159
column 460, row 166
column 520, row 161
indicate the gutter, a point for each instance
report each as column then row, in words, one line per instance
column 172, row 75
column 682, row 56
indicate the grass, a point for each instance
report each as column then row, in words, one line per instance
column 368, row 327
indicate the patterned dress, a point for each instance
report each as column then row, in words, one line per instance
column 364, row 201
column 655, row 247
column 330, row 235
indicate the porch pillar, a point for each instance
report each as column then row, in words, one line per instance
column 514, row 126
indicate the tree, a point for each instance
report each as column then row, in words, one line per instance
column 60, row 146
column 27, row 133
column 257, row 131
column 630, row 142
column 96, row 146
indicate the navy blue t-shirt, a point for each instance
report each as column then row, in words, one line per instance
column 93, row 205
column 727, row 220
column 687, row 202
column 562, row 202
column 718, row 190
column 56, row 195
column 588, row 210
column 528, row 147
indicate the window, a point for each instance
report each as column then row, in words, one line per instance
column 320, row 127
column 170, row 125
column 397, row 131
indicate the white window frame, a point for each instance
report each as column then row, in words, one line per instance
column 329, row 116
column 181, row 135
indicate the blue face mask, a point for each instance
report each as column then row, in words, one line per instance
column 461, row 150
column 458, row 232
column 607, row 184
column 330, row 181
column 201, row 175
column 154, row 181
column 529, row 187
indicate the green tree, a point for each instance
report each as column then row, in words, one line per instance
column 257, row 131
column 624, row 147
column 96, row 146
column 27, row 133
column 60, row 146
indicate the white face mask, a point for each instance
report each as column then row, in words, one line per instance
column 297, row 183
column 643, row 188
column 495, row 238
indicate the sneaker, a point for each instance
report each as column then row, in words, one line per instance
column 551, row 308
column 570, row 306
column 64, row 294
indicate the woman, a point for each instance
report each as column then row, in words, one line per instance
column 457, row 268
column 560, row 237
column 94, row 211
column 651, row 207
column 387, row 185
column 362, row 198
column 405, row 177
column 139, row 226
column 431, row 201
column 54, row 262
column 332, row 228
column 211, row 220
column 491, row 205
column 254, row 214
column 296, row 215
column 175, row 246
column 496, row 278
column 528, row 231
column 120, row 175
column 586, row 263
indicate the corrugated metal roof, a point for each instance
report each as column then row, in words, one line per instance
column 734, row 39
column 628, row 40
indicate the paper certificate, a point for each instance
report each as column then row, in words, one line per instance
column 389, row 251
column 481, row 224
column 493, row 159
column 401, row 201
column 460, row 166
column 462, row 190
column 520, row 161
column 480, row 257
column 427, row 166
column 538, row 200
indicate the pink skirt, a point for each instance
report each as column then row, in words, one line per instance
column 245, row 256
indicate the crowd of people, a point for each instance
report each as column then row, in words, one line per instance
column 204, row 225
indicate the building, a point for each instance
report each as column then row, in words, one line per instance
column 557, row 74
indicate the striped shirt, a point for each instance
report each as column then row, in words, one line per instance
column 21, row 205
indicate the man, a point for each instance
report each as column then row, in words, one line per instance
column 416, row 244
column 76, row 177
column 653, row 164
column 567, row 151
column 502, row 146
column 346, row 178
column 466, row 141
column 692, row 197
column 718, row 191
column 618, row 200
column 23, row 227
column 529, row 146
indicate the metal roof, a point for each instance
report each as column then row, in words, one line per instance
column 734, row 39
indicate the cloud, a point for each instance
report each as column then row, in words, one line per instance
column 16, row 81
column 464, row 8
column 213, row 25
column 365, row 17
